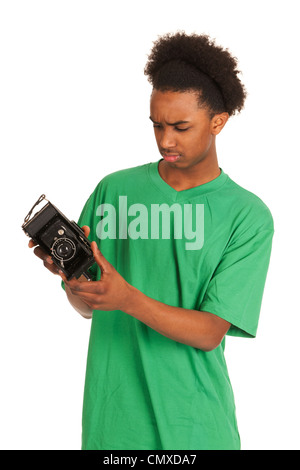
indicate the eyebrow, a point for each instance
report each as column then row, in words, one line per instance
column 170, row 123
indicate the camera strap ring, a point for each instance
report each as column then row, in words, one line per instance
column 40, row 199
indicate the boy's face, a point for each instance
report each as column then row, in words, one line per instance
column 184, row 133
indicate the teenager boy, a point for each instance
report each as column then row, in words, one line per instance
column 183, row 262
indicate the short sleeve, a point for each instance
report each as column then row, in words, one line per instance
column 235, row 291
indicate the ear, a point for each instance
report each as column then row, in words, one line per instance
column 218, row 122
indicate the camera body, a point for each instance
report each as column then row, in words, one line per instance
column 62, row 239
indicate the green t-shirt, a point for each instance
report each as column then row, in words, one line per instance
column 205, row 248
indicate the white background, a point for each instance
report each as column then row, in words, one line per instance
column 75, row 107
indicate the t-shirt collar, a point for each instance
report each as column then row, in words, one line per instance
column 175, row 195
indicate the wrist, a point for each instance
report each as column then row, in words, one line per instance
column 130, row 299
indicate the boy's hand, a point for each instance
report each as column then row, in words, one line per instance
column 112, row 292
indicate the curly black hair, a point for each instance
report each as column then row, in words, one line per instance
column 181, row 62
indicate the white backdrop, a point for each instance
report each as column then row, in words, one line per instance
column 75, row 107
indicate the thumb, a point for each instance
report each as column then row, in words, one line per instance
column 99, row 258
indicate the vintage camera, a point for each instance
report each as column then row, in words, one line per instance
column 61, row 238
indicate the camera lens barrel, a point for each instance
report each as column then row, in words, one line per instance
column 63, row 249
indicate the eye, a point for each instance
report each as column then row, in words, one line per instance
column 181, row 130
column 178, row 129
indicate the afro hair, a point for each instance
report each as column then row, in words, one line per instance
column 181, row 62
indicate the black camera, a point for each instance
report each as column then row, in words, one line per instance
column 61, row 238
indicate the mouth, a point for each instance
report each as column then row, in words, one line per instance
column 171, row 157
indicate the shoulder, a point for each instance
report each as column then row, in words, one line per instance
column 127, row 175
column 248, row 207
column 120, row 181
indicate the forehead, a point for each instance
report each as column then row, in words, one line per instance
column 174, row 106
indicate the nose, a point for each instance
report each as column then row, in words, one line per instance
column 167, row 139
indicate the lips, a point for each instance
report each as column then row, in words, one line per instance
column 171, row 157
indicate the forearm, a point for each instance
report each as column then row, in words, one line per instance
column 195, row 328
column 201, row 330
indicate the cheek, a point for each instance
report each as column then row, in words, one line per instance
column 198, row 141
column 157, row 137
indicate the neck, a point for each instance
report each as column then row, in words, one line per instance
column 186, row 178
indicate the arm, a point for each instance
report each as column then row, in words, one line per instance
column 201, row 330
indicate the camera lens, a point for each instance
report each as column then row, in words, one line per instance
column 63, row 249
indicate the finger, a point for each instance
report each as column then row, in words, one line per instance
column 79, row 287
column 92, row 300
column 62, row 275
column 100, row 259
column 85, row 296
column 86, row 230
column 42, row 255
column 31, row 243
column 51, row 267
column 88, row 297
